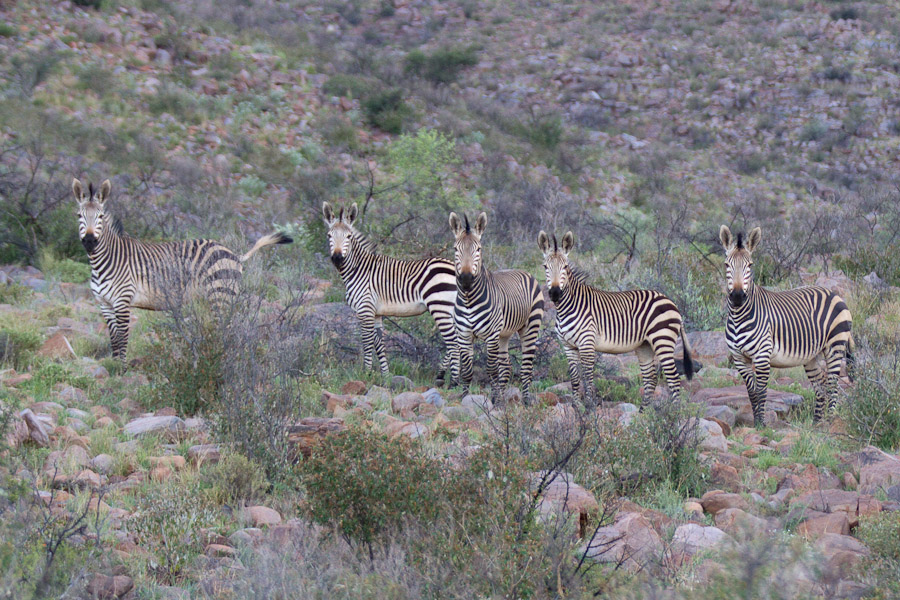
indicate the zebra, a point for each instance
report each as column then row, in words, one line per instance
column 589, row 321
column 381, row 286
column 492, row 306
column 766, row 329
column 127, row 273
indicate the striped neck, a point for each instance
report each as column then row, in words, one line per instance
column 479, row 287
column 568, row 293
column 360, row 247
column 745, row 310
column 107, row 242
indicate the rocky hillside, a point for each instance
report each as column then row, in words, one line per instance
column 249, row 455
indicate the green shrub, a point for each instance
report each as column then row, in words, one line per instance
column 363, row 483
column 881, row 533
column 7, row 30
column 871, row 410
column 63, row 269
column 348, row 85
column 884, row 261
column 95, row 4
column 234, row 480
column 167, row 524
column 387, row 110
column 17, row 345
column 13, row 293
column 97, row 78
column 443, row 65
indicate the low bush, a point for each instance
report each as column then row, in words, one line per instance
column 234, row 480
column 17, row 345
column 387, row 111
column 63, row 269
column 348, row 85
column 871, row 410
column 443, row 65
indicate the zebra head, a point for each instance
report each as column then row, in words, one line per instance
column 556, row 262
column 340, row 232
column 91, row 213
column 738, row 263
column 467, row 249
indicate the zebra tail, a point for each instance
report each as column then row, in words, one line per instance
column 267, row 240
column 850, row 360
column 688, row 361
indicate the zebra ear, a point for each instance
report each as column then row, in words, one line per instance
column 455, row 224
column 105, row 189
column 480, row 224
column 351, row 214
column 726, row 238
column 753, row 239
column 544, row 242
column 78, row 190
column 328, row 213
column 568, row 242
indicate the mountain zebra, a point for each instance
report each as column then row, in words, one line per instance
column 382, row 286
column 589, row 320
column 492, row 306
column 127, row 273
column 768, row 329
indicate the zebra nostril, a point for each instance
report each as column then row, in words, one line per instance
column 89, row 241
column 466, row 280
column 337, row 259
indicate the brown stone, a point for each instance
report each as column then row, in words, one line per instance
column 57, row 347
column 819, row 524
column 308, row 432
column 853, row 504
column 204, row 454
column 735, row 520
column 175, row 462
column 104, row 587
column 354, row 388
column 406, row 400
column 219, row 550
column 842, row 552
column 160, row 474
column 725, row 476
column 262, row 516
column 548, row 398
column 718, row 500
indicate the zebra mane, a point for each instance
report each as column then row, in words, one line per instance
column 740, row 241
column 363, row 242
column 115, row 225
column 468, row 227
column 577, row 274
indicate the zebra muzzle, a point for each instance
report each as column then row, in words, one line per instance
column 555, row 293
column 465, row 281
column 337, row 260
column 737, row 297
column 89, row 242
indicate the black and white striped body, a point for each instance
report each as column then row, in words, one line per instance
column 493, row 306
column 382, row 286
column 591, row 321
column 786, row 329
column 128, row 273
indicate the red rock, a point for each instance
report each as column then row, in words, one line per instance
column 308, row 432
column 548, row 398
column 160, row 474
column 725, row 476
column 57, row 347
column 717, row 500
column 104, row 587
column 219, row 550
column 175, row 462
column 354, row 388
column 818, row 525
column 262, row 516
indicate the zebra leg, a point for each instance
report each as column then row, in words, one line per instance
column 816, row 377
column 118, row 332
column 588, row 356
column 494, row 361
column 665, row 354
column 379, row 346
column 447, row 327
column 745, row 368
column 528, row 335
column 574, row 369
column 649, row 377
column 763, row 370
column 465, row 343
column 367, row 325
column 833, row 366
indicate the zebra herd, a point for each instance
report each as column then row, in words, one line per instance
column 764, row 328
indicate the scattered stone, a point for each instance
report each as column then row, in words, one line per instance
column 725, row 476
column 401, row 382
column 87, row 479
column 433, row 396
column 169, row 426
column 877, row 469
column 246, row 536
column 73, row 395
column 711, row 437
column 478, row 403
column 694, row 509
column 353, row 388
column 378, row 396
column 307, row 432
column 262, row 516
column 37, row 431
column 104, row 422
column 175, row 462
column 691, row 538
column 160, row 474
column 819, row 524
column 736, row 521
column 715, row 501
column 459, row 413
column 102, row 463
column 841, row 552
column 219, row 550
column 204, row 454
column 630, row 541
column 104, row 587
column 853, row 504
column 406, row 401
column 564, row 495
column 548, row 398
column 512, row 395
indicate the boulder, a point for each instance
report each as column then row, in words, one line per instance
column 262, row 516
column 37, row 430
column 57, row 347
column 715, row 501
column 818, row 524
column 104, row 587
column 433, row 396
column 174, row 462
column 736, row 521
column 841, row 552
column 631, row 541
column 102, row 463
column 204, row 454
column 406, row 400
column 720, row 413
column 401, row 382
column 709, row 346
column 711, row 436
column 691, row 538
column 477, row 402
column 512, row 395
column 725, row 476
column 563, row 495
column 306, row 433
column 353, row 388
column 852, row 503
column 378, row 395
column 169, row 427
column 877, row 469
